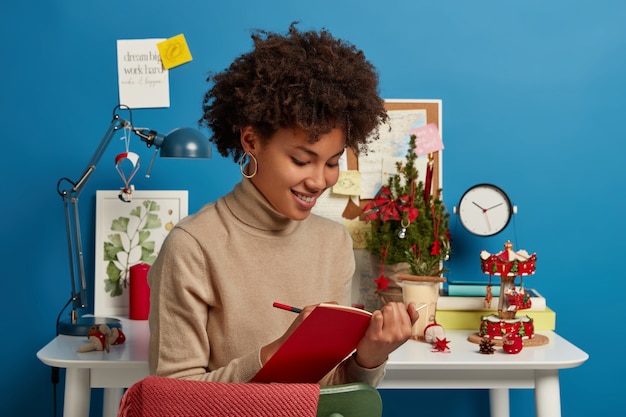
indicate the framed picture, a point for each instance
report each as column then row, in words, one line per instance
column 128, row 233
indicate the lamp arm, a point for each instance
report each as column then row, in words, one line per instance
column 116, row 124
column 74, row 247
column 72, row 219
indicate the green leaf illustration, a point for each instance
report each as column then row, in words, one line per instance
column 120, row 225
column 120, row 246
column 152, row 221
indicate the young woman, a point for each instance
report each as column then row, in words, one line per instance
column 285, row 111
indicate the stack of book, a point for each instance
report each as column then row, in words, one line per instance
column 462, row 304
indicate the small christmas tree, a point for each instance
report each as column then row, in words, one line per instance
column 409, row 223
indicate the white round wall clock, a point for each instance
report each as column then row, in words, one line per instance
column 485, row 210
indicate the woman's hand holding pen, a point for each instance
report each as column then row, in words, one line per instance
column 389, row 328
column 268, row 351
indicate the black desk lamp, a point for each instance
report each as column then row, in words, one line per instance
column 179, row 143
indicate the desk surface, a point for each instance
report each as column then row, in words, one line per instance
column 62, row 351
column 557, row 354
column 463, row 354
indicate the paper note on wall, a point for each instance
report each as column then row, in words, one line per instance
column 379, row 163
column 357, row 230
column 427, row 139
column 349, row 183
column 174, row 51
column 142, row 80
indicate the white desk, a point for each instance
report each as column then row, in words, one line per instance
column 124, row 365
column 413, row 366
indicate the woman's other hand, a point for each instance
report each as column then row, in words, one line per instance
column 389, row 328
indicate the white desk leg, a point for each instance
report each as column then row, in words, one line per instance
column 111, row 401
column 547, row 393
column 499, row 402
column 77, row 392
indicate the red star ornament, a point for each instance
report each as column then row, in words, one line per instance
column 382, row 283
column 441, row 345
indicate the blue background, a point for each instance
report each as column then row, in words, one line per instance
column 533, row 99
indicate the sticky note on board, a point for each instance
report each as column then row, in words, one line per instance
column 174, row 51
column 349, row 183
column 357, row 230
column 427, row 139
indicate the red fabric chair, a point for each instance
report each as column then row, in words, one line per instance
column 169, row 397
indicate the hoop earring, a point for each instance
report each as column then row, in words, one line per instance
column 250, row 158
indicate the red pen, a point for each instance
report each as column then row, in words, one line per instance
column 286, row 307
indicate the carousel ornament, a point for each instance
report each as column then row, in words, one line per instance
column 509, row 265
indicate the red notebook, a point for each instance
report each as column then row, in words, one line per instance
column 326, row 337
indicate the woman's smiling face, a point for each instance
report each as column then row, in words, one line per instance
column 292, row 172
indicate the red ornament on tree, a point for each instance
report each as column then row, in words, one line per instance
column 382, row 283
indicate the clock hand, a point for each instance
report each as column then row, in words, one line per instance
column 474, row 203
column 487, row 219
column 499, row 204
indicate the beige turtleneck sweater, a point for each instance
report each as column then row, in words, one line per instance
column 217, row 275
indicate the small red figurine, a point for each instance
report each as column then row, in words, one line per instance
column 512, row 343
column 100, row 337
column 434, row 331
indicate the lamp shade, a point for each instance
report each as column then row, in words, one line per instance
column 185, row 142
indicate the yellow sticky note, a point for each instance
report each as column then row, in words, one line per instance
column 174, row 51
column 349, row 183
column 358, row 230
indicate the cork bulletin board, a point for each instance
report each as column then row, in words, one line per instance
column 433, row 115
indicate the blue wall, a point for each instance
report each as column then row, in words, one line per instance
column 533, row 96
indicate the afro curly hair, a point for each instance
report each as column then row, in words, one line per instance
column 308, row 80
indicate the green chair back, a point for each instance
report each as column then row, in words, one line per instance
column 349, row 400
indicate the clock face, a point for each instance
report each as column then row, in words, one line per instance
column 485, row 210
